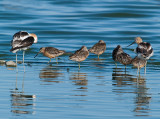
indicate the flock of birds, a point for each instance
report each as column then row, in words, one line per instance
column 23, row 40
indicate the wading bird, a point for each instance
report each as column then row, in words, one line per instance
column 22, row 41
column 50, row 52
column 80, row 55
column 119, row 55
column 99, row 48
column 138, row 63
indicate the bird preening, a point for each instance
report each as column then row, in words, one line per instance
column 80, row 55
column 120, row 56
column 23, row 40
column 99, row 48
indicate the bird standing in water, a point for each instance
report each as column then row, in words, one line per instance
column 22, row 41
column 144, row 50
column 99, row 48
column 138, row 63
column 119, row 55
column 80, row 55
column 51, row 52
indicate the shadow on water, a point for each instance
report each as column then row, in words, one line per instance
column 22, row 103
column 142, row 97
column 51, row 74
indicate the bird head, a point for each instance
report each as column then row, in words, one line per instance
column 137, row 40
column 40, row 51
column 34, row 36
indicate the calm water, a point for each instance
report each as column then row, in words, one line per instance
column 97, row 90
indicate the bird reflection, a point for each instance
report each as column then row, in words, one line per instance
column 136, row 85
column 121, row 78
column 21, row 103
column 142, row 99
column 79, row 79
column 50, row 74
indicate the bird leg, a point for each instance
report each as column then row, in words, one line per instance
column 16, row 58
column 56, row 60
column 98, row 57
column 23, row 56
column 79, row 65
column 115, row 64
column 138, row 71
column 49, row 61
column 145, row 67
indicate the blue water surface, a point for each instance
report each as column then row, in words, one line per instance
column 98, row 90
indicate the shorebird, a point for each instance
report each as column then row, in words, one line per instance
column 119, row 55
column 50, row 52
column 22, row 41
column 99, row 48
column 144, row 50
column 138, row 63
column 80, row 55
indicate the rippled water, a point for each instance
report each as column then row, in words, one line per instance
column 98, row 90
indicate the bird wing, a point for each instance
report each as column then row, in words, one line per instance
column 98, row 47
column 21, row 35
column 18, row 37
column 52, row 50
column 22, row 44
column 145, row 49
column 124, row 58
column 75, row 54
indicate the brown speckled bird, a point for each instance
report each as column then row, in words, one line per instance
column 80, row 55
column 51, row 52
column 119, row 55
column 99, row 48
column 138, row 63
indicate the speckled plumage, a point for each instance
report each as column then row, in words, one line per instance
column 119, row 55
column 99, row 48
column 51, row 52
column 138, row 63
column 80, row 55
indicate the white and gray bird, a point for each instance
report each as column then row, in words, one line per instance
column 22, row 41
column 144, row 50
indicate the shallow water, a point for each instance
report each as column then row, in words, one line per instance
column 98, row 89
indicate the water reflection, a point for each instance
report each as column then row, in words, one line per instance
column 79, row 79
column 51, row 74
column 142, row 98
column 22, row 103
column 138, row 84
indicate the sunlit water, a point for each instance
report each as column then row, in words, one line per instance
column 99, row 89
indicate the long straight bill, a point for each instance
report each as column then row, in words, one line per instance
column 36, row 55
column 131, row 44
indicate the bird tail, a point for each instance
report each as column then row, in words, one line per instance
column 14, row 50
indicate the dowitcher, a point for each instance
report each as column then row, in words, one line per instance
column 22, row 41
column 144, row 50
column 99, row 48
column 138, row 63
column 50, row 52
column 80, row 55
column 119, row 55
